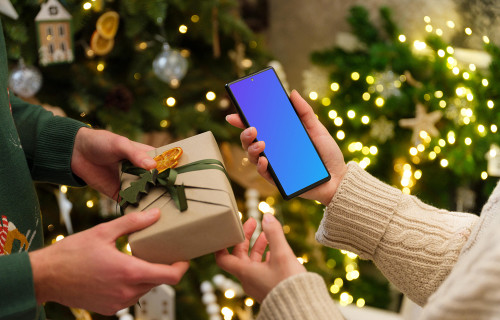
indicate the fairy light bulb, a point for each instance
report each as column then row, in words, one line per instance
column 402, row 38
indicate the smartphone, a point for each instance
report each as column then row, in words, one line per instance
column 294, row 162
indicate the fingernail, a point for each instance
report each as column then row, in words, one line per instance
column 267, row 218
column 152, row 211
column 149, row 163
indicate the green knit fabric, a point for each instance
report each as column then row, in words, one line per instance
column 34, row 145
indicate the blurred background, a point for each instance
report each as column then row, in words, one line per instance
column 409, row 90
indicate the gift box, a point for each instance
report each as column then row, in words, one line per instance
column 210, row 221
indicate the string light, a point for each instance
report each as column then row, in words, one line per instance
column 439, row 32
column 326, row 101
column 485, row 82
column 164, row 123
column 490, row 104
column 472, row 67
column 379, row 102
column 443, row 163
column 332, row 114
column 195, row 18
column 210, row 96
column 366, row 96
column 484, row 175
column 450, row 50
column 402, row 38
column 340, row 135
column 370, row 79
column 313, row 95
column 428, row 28
column 90, row 204
column 468, row 141
column 63, row 189
column 450, row 24
column 100, row 67
column 334, row 86
column 351, row 114
column 468, row 31
column 87, row 5
column 229, row 294
column 427, row 19
column 493, row 128
column 59, row 237
column 338, row 121
column 170, row 101
column 182, row 28
column 365, row 119
column 360, row 303
column 456, row 71
column 355, row 76
column 419, row 45
column 486, row 39
column 249, row 302
column 441, row 53
column 334, row 289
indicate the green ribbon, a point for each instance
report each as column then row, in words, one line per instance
column 166, row 179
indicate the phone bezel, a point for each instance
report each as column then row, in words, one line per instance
column 269, row 167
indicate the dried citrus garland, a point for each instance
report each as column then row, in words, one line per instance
column 168, row 159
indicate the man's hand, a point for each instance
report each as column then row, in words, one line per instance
column 326, row 145
column 86, row 270
column 97, row 153
column 260, row 277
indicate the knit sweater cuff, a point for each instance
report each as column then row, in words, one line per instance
column 359, row 213
column 53, row 153
column 303, row 296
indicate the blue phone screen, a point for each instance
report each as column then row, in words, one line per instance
column 290, row 152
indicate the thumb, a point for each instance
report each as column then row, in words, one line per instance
column 137, row 154
column 274, row 234
column 132, row 222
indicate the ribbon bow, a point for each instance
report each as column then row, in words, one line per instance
column 132, row 194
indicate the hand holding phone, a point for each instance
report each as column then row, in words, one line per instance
column 294, row 162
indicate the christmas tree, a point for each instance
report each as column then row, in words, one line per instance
column 410, row 113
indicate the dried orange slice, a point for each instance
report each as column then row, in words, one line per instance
column 107, row 24
column 168, row 159
column 100, row 45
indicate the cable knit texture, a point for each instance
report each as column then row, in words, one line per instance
column 447, row 261
column 310, row 290
column 413, row 244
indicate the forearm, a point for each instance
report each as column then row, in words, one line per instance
column 413, row 244
column 47, row 142
column 303, row 296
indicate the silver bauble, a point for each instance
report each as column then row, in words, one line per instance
column 25, row 81
column 170, row 66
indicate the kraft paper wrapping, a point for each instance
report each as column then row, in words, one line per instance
column 211, row 221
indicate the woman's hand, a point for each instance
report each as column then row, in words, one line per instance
column 326, row 145
column 259, row 276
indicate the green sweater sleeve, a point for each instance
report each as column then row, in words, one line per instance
column 18, row 289
column 47, row 141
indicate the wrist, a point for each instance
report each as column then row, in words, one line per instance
column 326, row 194
column 42, row 280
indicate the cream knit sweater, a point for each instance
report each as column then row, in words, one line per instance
column 448, row 262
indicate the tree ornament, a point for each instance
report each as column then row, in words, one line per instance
column 25, row 81
column 55, row 38
column 169, row 65
column 120, row 98
column 102, row 40
column 422, row 122
column 493, row 157
column 382, row 129
column 387, row 84
column 8, row 9
column 159, row 304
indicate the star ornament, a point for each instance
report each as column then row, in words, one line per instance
column 423, row 121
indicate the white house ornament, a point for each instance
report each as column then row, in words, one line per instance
column 8, row 9
column 493, row 157
column 157, row 304
column 55, row 38
column 169, row 65
column 25, row 81
column 423, row 121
